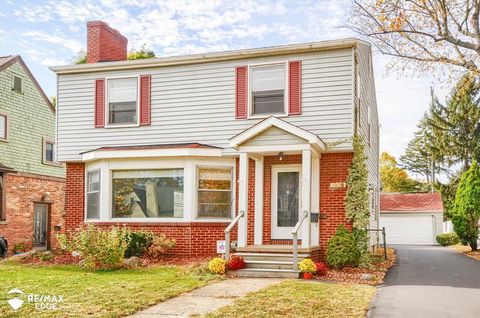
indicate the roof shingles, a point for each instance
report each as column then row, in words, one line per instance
column 411, row 202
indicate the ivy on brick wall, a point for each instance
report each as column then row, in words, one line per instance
column 356, row 199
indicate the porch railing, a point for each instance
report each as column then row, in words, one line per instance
column 227, row 233
column 295, row 239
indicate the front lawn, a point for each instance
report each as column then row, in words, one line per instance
column 95, row 294
column 296, row 298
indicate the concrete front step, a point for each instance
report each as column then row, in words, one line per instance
column 262, row 272
column 275, row 264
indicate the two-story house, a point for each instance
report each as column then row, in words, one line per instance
column 182, row 145
column 31, row 180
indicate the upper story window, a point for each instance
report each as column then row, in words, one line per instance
column 148, row 193
column 267, row 89
column 17, row 85
column 214, row 192
column 93, row 194
column 122, row 101
column 3, row 127
column 49, row 152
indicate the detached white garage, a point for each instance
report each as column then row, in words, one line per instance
column 411, row 218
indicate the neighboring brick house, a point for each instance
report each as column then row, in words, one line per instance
column 180, row 145
column 32, row 183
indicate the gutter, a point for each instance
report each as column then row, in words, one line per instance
column 209, row 57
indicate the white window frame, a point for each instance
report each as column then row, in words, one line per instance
column 113, row 218
column 21, row 84
column 189, row 166
column 7, row 127
column 99, row 194
column 251, row 115
column 232, row 190
column 54, row 162
column 107, row 104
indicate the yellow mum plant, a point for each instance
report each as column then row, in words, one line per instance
column 307, row 266
column 217, row 265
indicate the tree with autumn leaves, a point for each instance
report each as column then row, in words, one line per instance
column 395, row 178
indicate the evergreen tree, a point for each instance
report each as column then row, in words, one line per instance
column 466, row 210
column 455, row 126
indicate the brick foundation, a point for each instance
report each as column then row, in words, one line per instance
column 21, row 192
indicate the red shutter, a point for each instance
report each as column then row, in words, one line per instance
column 99, row 103
column 145, row 100
column 295, row 88
column 241, row 86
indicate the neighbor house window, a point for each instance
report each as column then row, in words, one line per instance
column 369, row 126
column 48, row 151
column 268, row 89
column 93, row 194
column 214, row 192
column 148, row 193
column 17, row 85
column 3, row 127
column 122, row 101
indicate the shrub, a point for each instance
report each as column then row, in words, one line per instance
column 139, row 243
column 342, row 249
column 217, row 265
column 45, row 256
column 307, row 266
column 236, row 263
column 99, row 249
column 19, row 247
column 160, row 245
column 448, row 239
column 321, row 269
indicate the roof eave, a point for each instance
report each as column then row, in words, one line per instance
column 210, row 57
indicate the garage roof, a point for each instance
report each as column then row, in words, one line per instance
column 411, row 202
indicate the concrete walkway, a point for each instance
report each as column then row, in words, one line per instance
column 429, row 282
column 206, row 299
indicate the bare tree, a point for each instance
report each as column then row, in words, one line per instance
column 422, row 33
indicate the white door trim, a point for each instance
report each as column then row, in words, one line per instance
column 284, row 233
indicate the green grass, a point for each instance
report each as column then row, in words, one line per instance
column 296, row 298
column 95, row 294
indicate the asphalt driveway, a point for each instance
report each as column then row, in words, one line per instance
column 429, row 281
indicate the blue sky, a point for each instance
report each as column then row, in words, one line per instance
column 52, row 32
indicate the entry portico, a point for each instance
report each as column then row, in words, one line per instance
column 294, row 188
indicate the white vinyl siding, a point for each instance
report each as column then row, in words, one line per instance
column 368, row 128
column 274, row 136
column 196, row 103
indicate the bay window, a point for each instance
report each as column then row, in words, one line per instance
column 268, row 89
column 214, row 193
column 93, row 194
column 122, row 101
column 147, row 193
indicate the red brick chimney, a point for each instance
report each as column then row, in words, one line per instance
column 105, row 43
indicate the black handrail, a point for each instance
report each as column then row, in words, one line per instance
column 384, row 240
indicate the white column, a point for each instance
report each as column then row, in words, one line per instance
column 243, row 199
column 315, row 203
column 258, row 237
column 306, row 195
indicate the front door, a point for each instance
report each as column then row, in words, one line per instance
column 285, row 200
column 40, row 224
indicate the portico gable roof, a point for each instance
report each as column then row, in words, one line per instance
column 262, row 126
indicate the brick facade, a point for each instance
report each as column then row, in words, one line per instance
column 333, row 169
column 199, row 238
column 105, row 43
column 21, row 192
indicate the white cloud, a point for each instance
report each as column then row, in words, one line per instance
column 57, row 39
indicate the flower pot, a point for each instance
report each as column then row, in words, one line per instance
column 307, row 275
